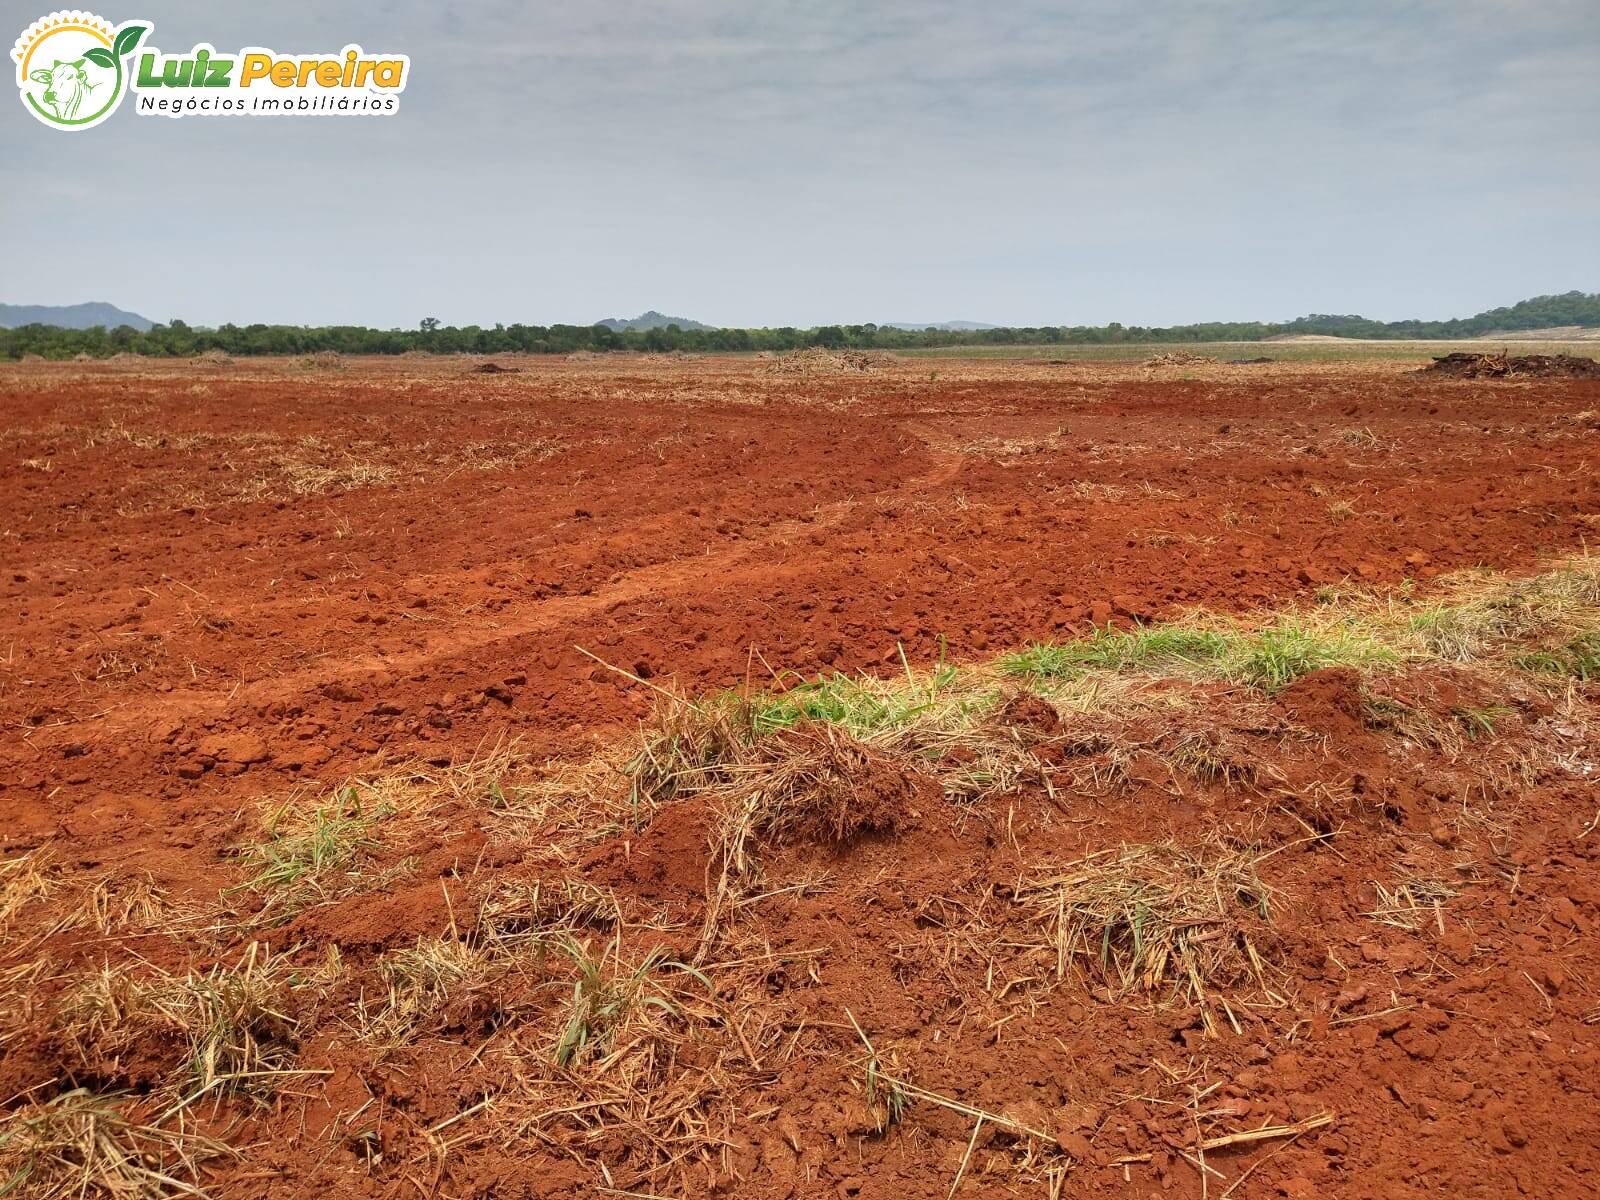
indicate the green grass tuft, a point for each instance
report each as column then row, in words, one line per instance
column 861, row 705
column 1269, row 658
column 327, row 839
column 1109, row 649
column 1578, row 659
column 1275, row 657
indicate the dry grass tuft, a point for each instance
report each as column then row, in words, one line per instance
column 612, row 998
column 24, row 879
column 571, row 804
column 240, row 1038
column 814, row 783
column 519, row 927
column 420, row 980
column 110, row 1009
column 82, row 1145
column 121, row 903
column 315, row 478
column 688, row 746
column 232, row 1022
column 20, row 1002
column 1481, row 616
column 1154, row 917
column 317, row 855
column 522, row 911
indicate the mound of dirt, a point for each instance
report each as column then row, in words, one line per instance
column 1327, row 702
column 211, row 358
column 1026, row 711
column 1462, row 365
column 817, row 361
column 667, row 860
column 1178, row 358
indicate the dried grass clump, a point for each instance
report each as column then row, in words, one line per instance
column 818, row 361
column 519, row 928
column 688, row 746
column 521, row 911
column 306, row 851
column 240, row 1037
column 81, row 1145
column 944, row 724
column 422, row 979
column 128, row 903
column 1158, row 917
column 632, row 1071
column 614, row 1002
column 20, row 1000
column 572, row 804
column 1413, row 724
column 1486, row 616
column 811, row 783
column 112, row 1008
column 304, row 478
column 320, row 854
column 1178, row 358
column 24, row 879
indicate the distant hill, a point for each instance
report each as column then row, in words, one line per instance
column 650, row 320
column 71, row 316
column 1580, row 309
column 941, row 326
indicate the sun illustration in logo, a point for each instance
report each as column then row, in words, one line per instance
column 70, row 67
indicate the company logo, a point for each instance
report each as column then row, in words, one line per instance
column 73, row 69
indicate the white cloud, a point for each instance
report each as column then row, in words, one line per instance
column 802, row 162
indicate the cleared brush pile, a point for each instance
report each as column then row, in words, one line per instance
column 818, row 361
column 1464, row 365
column 1178, row 358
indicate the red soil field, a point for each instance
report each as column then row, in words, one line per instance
column 227, row 586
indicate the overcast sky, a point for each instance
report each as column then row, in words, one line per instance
column 744, row 162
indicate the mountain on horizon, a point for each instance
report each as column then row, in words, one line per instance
column 651, row 320
column 941, row 326
column 71, row 316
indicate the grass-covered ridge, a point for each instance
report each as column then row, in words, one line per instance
column 1268, row 658
column 1547, row 623
column 951, row 722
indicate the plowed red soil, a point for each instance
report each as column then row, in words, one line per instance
column 225, row 583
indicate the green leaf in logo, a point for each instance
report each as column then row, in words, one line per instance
column 100, row 57
column 128, row 39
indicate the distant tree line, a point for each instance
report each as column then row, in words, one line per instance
column 179, row 340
